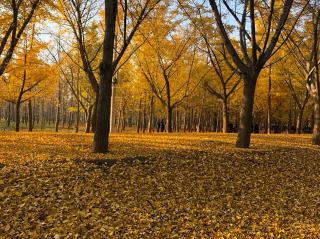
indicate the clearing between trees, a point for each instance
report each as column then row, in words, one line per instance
column 158, row 186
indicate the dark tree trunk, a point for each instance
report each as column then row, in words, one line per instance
column 101, row 135
column 69, row 120
column 218, row 122
column 30, row 116
column 150, row 128
column 78, row 118
column 58, row 108
column 94, row 114
column 200, row 116
column 9, row 115
column 169, row 119
column 139, row 117
column 190, row 117
column 245, row 127
column 144, row 118
column 316, row 123
column 18, row 116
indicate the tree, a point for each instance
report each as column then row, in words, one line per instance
column 252, row 58
column 28, row 74
column 305, row 52
column 167, row 64
column 20, row 14
column 224, row 71
column 313, row 74
column 134, row 13
column 80, row 17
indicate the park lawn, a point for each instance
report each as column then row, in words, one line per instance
column 158, row 186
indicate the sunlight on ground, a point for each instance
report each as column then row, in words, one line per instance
column 158, row 185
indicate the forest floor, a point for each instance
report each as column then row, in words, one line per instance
column 158, row 186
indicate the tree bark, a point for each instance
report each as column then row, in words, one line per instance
column 245, row 127
column 78, row 108
column 119, row 121
column 30, row 116
column 185, row 120
column 316, row 123
column 58, row 108
column 144, row 120
column 269, row 103
column 18, row 116
column 9, row 115
column 177, row 120
column 169, row 119
column 78, row 118
column 94, row 114
column 299, row 121
column 139, row 117
column 101, row 135
column 113, row 108
column 150, row 123
column 225, row 116
column 88, row 123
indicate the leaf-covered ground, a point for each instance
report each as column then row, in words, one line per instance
column 158, row 186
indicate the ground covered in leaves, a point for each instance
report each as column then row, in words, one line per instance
column 158, row 186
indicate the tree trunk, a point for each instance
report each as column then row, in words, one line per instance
column 299, row 121
column 177, row 120
column 30, row 116
column 169, row 119
column 150, row 123
column 245, row 127
column 200, row 116
column 123, row 121
column 225, row 116
column 113, row 108
column 88, row 123
column 316, row 124
column 139, row 117
column 119, row 121
column 144, row 120
column 58, row 108
column 18, row 116
column 94, row 114
column 269, row 104
column 78, row 118
column 185, row 120
column 9, row 115
column 69, row 120
column 101, row 135
column 218, row 122
column 190, row 116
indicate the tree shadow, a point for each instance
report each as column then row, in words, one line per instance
column 108, row 163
